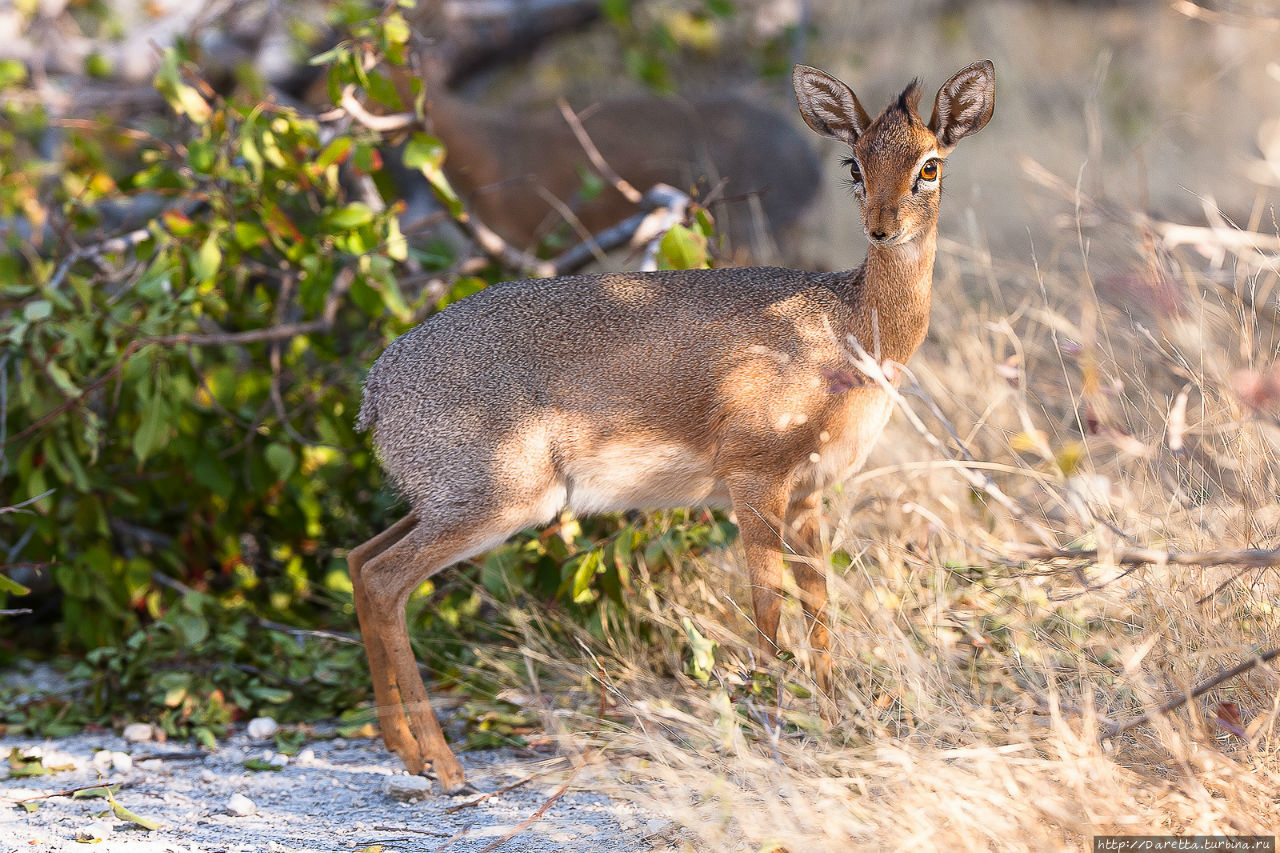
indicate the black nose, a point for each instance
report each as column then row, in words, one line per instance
column 878, row 235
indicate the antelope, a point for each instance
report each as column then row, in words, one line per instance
column 601, row 393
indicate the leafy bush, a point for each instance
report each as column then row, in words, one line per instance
column 178, row 385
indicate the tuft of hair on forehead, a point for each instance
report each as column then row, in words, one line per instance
column 909, row 100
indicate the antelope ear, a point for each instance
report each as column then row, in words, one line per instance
column 964, row 105
column 829, row 106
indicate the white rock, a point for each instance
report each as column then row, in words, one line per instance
column 306, row 756
column 207, row 776
column 33, row 753
column 261, row 728
column 407, row 787
column 138, row 732
column 240, row 805
column 102, row 759
column 94, row 831
column 121, row 761
column 56, row 760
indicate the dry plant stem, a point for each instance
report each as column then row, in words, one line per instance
column 593, row 154
column 1198, row 690
column 69, row 791
column 872, row 369
column 504, row 789
column 1254, row 558
column 529, row 821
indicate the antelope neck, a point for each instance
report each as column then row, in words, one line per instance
column 896, row 286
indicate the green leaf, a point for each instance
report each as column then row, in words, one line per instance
column 31, row 807
column 95, row 793
column 703, row 652
column 154, row 429
column 352, row 216
column 424, row 151
column 583, row 575
column 9, row 586
column 683, row 249
column 184, row 99
column 124, row 814
column 281, row 459
column 261, row 764
column 37, row 310
column 204, row 266
column 335, row 152
column 12, row 73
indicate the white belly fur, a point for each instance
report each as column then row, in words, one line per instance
column 640, row 475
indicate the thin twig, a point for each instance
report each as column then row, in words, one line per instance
column 18, row 506
column 1249, row 557
column 593, row 154
column 69, row 791
column 1202, row 688
column 380, row 123
column 872, row 369
column 529, row 821
column 480, row 799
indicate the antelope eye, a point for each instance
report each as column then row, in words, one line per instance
column 930, row 170
column 854, row 172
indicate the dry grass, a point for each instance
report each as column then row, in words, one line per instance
column 972, row 690
column 1119, row 383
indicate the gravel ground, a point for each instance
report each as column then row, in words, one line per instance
column 331, row 796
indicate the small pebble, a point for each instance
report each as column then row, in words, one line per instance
column 261, row 728
column 240, row 805
column 55, row 760
column 407, row 788
column 208, row 776
column 33, row 753
column 138, row 732
column 121, row 761
column 94, row 832
column 102, row 759
column 306, row 756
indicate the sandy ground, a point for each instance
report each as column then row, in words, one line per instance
column 331, row 796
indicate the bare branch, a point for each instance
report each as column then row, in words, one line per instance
column 593, row 154
column 380, row 123
column 1198, row 690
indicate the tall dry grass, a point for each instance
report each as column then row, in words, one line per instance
column 1120, row 387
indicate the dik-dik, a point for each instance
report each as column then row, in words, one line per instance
column 724, row 387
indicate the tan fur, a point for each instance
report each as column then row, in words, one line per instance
column 727, row 387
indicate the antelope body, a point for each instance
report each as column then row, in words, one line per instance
column 633, row 391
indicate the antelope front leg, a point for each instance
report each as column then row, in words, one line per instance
column 761, row 513
column 808, row 567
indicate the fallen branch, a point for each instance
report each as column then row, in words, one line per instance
column 1200, row 689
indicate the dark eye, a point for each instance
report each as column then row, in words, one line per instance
column 854, row 172
column 931, row 169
